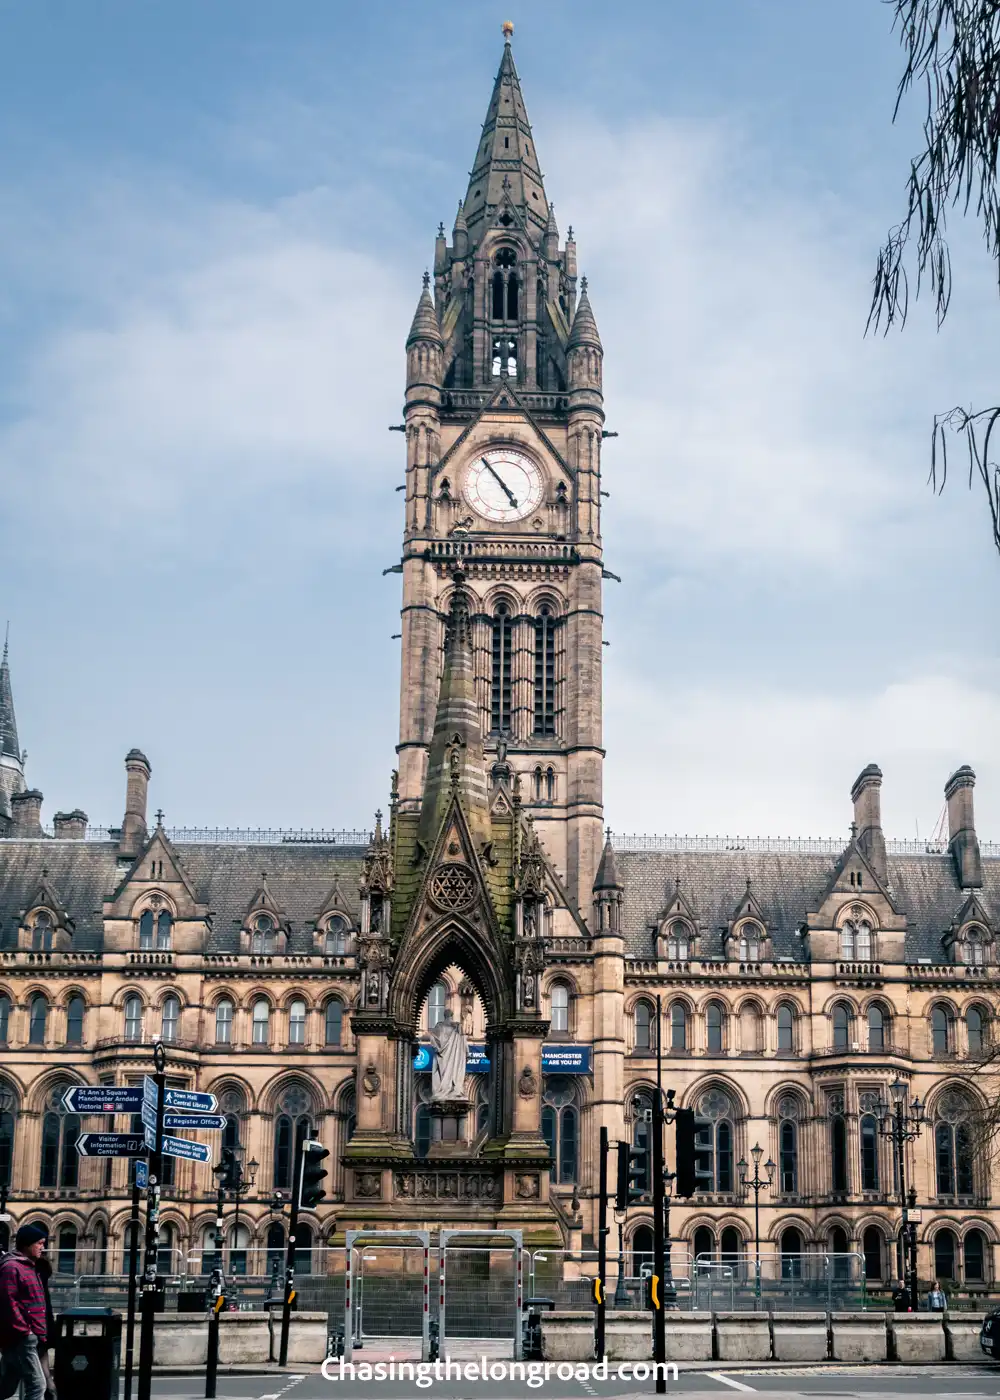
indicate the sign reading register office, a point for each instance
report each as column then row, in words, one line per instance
column 295, row 976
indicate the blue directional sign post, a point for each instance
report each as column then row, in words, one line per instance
column 186, row 1148
column 107, row 1098
column 111, row 1145
column 188, row 1101
column 141, row 1176
column 173, row 1121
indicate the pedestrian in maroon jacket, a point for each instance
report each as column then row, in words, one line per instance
column 23, row 1329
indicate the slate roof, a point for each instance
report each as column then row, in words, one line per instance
column 788, row 885
column 225, row 877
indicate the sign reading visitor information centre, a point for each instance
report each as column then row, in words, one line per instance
column 556, row 1059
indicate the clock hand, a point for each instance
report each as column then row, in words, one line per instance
column 503, row 485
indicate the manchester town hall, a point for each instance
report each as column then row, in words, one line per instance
column 307, row 982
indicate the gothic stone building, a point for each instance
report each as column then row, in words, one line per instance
column 295, row 978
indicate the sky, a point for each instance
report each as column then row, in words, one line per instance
column 213, row 225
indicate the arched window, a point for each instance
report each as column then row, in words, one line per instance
column 264, row 936
column 750, row 1028
column 437, row 1001
column 975, row 1026
column 146, row 930
column 100, row 1249
column 715, row 1020
column 261, row 1021
column 297, row 1022
column 231, row 1132
column 788, row 1157
column 842, row 1021
column 60, row 1130
column 337, row 941
column 871, row 1248
column 944, row 1254
column 500, row 683
column 703, row 1244
column 239, row 1244
column 275, row 1249
column 856, row 942
column 876, row 1028
column 154, row 930
column 786, row 1029
column 498, row 296
column 41, row 932
column 642, row 1249
column 643, row 1016
column 714, row 1138
column 678, row 942
column 751, row 942
column 559, row 1006
column 4, row 1019
column 731, row 1246
column 164, row 927
column 869, row 1152
column 560, row 1127
column 38, row 1015
column 975, row 947
column 169, row 1016
column 74, row 1020
column 840, row 1249
column 678, row 1026
column 838, row 1152
column 505, row 288
column 953, row 1156
column 291, row 1128
column 791, row 1253
column 334, row 1021
column 66, row 1250
column 224, row 1022
column 7, row 1122
column 303, row 1249
column 941, row 1030
column 133, row 1017
column 545, row 672
column 974, row 1256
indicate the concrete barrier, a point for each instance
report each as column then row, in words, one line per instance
column 568, row 1336
column 858, row 1336
column 961, row 1336
column 243, row 1338
column 308, row 1335
column 179, row 1339
column 628, row 1336
column 799, row 1336
column 917, row 1336
column 689, row 1336
column 742, row 1336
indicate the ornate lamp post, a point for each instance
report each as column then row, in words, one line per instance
column 621, row 1292
column 756, row 1184
column 901, row 1123
column 231, row 1175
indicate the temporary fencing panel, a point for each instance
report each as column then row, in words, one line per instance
column 480, row 1286
column 387, row 1287
column 803, row 1282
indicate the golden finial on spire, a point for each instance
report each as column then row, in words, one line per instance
column 508, row 30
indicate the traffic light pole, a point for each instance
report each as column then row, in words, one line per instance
column 602, row 1244
column 149, row 1279
column 218, row 1294
column 133, row 1266
column 293, row 1223
column 659, row 1320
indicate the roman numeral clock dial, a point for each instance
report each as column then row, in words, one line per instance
column 503, row 485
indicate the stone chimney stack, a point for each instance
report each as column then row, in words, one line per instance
column 866, row 794
column 26, row 810
column 133, row 835
column 70, row 826
column 963, row 843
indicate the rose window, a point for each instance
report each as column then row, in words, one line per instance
column 452, row 887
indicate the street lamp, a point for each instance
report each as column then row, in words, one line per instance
column 756, row 1184
column 231, row 1175
column 901, row 1125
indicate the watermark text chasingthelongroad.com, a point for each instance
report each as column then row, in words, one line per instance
column 535, row 1374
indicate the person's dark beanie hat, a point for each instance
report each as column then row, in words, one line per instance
column 29, row 1235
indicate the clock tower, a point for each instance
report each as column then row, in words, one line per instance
column 504, row 417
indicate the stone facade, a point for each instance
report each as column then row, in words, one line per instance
column 295, row 978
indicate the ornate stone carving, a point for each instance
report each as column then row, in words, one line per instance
column 835, row 1104
column 452, row 887
column 368, row 1184
column 449, row 1186
column 527, row 1084
column 371, row 1081
column 526, row 1187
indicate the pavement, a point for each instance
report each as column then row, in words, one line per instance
column 826, row 1381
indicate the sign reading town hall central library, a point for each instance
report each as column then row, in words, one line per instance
column 556, row 1059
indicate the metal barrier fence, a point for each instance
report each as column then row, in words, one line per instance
column 481, row 1289
column 803, row 1282
column 388, row 1291
column 567, row 1277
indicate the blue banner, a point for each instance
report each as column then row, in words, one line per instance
column 477, row 1059
column 565, row 1059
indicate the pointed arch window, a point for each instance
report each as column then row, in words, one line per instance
column 334, row 1021
column 337, row 941
column 560, row 1127
column 155, row 930
column 545, row 672
column 976, row 1026
column 838, row 1150
column 224, row 1022
column 7, row 1123
column 714, row 1138
column 261, row 1021
column 42, row 931
column 38, row 1016
column 786, row 1029
column 953, row 1147
column 505, row 286
column 975, row 948
column 751, row 943
column 678, row 942
column 437, row 1001
column 791, row 1253
column 703, row 1245
column 291, row 1128
column 60, row 1159
column 4, row 1019
column 750, row 1029
column 842, row 1023
column 297, row 1022
column 678, row 1026
column 876, row 1028
column 788, row 1146
column 264, row 936
column 944, row 1254
column 559, row 1006
column 941, row 1037
column 872, row 1248
column 974, row 1256
column 715, row 1020
column 501, row 669
column 643, row 1018
column 869, row 1152
column 170, row 1015
column 74, row 1019
column 133, row 1017
column 856, row 940
column 66, row 1250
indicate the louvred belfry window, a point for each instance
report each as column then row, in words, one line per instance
column 500, row 686
column 545, row 673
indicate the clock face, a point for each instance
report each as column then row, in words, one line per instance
column 503, row 484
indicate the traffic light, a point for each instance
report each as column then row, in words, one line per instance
column 686, row 1182
column 313, row 1173
column 229, row 1177
column 632, row 1175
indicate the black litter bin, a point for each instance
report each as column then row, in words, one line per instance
column 88, row 1346
column 192, row 1300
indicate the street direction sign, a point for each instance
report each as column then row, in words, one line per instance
column 187, row 1148
column 141, row 1173
column 189, row 1101
column 111, row 1145
column 150, row 1137
column 193, row 1120
column 106, row 1098
column 149, row 1115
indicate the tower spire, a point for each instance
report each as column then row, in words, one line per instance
column 506, row 165
column 11, row 758
column 456, row 763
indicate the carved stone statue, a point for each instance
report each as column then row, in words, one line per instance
column 450, row 1054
